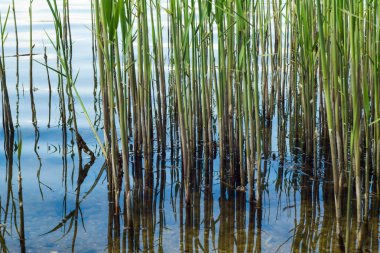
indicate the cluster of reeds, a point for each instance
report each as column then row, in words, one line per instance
column 238, row 61
column 349, row 55
column 234, row 63
column 10, row 147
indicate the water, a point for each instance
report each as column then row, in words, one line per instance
column 296, row 214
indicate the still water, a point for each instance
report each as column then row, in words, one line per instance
column 296, row 213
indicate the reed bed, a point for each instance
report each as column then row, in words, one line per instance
column 234, row 61
column 232, row 65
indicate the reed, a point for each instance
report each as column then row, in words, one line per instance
column 6, row 109
column 31, row 47
column 7, row 122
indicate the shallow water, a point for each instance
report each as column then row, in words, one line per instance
column 296, row 213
